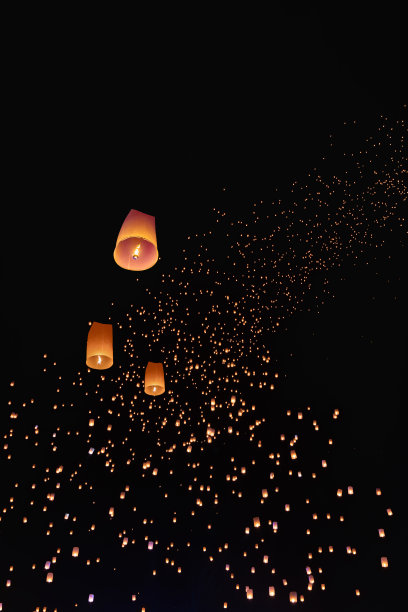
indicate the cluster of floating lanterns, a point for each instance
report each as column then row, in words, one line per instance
column 182, row 468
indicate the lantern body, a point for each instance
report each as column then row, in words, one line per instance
column 99, row 348
column 136, row 246
column 154, row 379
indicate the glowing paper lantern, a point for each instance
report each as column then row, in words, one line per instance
column 154, row 379
column 136, row 246
column 293, row 597
column 75, row 551
column 50, row 577
column 99, row 348
column 384, row 562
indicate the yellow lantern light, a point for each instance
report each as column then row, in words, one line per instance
column 136, row 246
column 99, row 347
column 384, row 562
column 154, row 379
column 293, row 597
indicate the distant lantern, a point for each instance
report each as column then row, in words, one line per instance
column 154, row 379
column 50, row 577
column 99, row 348
column 384, row 562
column 136, row 246
column 233, row 399
column 293, row 597
column 75, row 551
column 257, row 521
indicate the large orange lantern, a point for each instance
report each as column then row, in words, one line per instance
column 154, row 379
column 136, row 246
column 99, row 348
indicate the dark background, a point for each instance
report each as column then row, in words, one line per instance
column 159, row 113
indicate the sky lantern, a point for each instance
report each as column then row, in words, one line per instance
column 136, row 246
column 99, row 347
column 154, row 379
column 384, row 562
column 293, row 597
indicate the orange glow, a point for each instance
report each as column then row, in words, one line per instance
column 154, row 379
column 99, row 347
column 136, row 246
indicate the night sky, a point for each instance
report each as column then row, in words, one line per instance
column 271, row 150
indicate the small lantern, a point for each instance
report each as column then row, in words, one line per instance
column 50, row 577
column 293, row 597
column 136, row 246
column 99, row 347
column 384, row 562
column 154, row 379
column 257, row 521
column 75, row 551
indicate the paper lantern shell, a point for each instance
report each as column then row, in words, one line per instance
column 99, row 348
column 136, row 246
column 154, row 379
